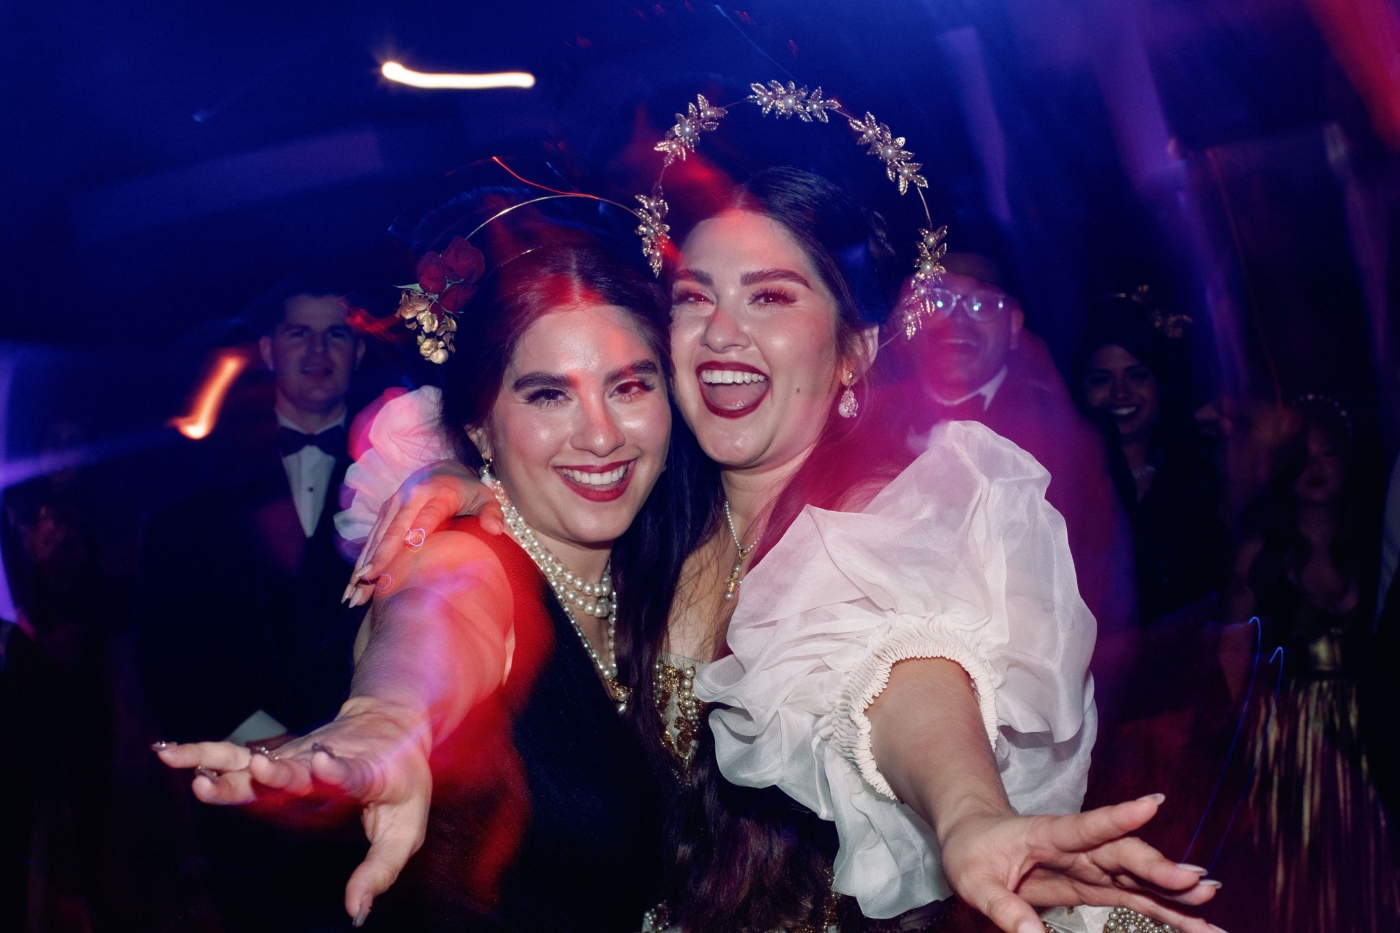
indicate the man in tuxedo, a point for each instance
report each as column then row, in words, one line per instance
column 241, row 633
column 975, row 361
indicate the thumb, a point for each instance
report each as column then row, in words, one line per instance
column 1003, row 907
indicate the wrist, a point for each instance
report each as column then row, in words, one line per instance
column 969, row 811
column 403, row 719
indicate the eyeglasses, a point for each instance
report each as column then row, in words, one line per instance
column 978, row 306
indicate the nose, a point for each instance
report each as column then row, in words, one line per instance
column 318, row 341
column 1121, row 392
column 598, row 432
column 723, row 329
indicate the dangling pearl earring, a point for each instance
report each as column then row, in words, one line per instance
column 848, row 406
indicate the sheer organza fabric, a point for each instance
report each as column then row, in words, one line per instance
column 960, row 557
column 404, row 435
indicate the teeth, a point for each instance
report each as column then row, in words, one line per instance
column 727, row 377
column 1122, row 412
column 595, row 479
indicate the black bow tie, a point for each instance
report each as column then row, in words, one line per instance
column 331, row 440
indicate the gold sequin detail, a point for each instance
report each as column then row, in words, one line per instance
column 679, row 710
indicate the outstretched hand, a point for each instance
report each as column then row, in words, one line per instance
column 430, row 496
column 371, row 754
column 1001, row 865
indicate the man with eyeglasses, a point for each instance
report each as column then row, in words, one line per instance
column 976, row 361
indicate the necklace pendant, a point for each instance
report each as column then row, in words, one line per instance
column 731, row 582
column 619, row 694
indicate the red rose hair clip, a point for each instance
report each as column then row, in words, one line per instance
column 446, row 282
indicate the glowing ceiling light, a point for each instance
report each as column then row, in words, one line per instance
column 396, row 72
column 204, row 413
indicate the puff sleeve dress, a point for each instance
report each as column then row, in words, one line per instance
column 961, row 558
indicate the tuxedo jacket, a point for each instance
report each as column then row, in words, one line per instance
column 239, row 611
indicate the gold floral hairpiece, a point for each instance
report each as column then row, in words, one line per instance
column 447, row 281
column 788, row 101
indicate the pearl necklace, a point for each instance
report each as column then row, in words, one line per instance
column 574, row 594
column 731, row 582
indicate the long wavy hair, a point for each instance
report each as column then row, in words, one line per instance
column 752, row 859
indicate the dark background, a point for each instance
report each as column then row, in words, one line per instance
column 163, row 163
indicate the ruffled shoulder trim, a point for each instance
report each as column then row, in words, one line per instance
column 404, row 434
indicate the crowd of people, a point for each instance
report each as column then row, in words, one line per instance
column 776, row 592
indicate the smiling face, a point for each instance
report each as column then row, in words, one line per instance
column 1117, row 382
column 579, row 430
column 960, row 355
column 312, row 354
column 754, row 342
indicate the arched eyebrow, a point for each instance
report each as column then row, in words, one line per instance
column 696, row 276
column 761, row 276
column 633, row 370
column 756, row 277
column 532, row 381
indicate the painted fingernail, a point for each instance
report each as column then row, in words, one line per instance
column 1031, row 926
column 1155, row 798
column 360, row 918
column 1196, row 868
column 209, row 773
column 162, row 746
column 318, row 747
column 1210, row 883
column 263, row 750
column 1217, row 929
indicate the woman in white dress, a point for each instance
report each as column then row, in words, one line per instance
column 911, row 630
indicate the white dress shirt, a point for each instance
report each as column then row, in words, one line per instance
column 309, row 472
column 988, row 391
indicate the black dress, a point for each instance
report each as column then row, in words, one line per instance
column 546, row 814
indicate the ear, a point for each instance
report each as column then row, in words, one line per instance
column 1018, row 322
column 265, row 350
column 481, row 437
column 867, row 345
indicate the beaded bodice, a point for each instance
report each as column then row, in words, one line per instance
column 676, row 703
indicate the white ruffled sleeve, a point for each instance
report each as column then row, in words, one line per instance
column 405, row 434
column 961, row 558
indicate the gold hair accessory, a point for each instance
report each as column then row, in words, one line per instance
column 786, row 101
column 446, row 282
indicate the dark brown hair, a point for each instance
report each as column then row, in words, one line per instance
column 514, row 297
column 752, row 859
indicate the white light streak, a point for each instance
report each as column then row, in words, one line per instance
column 468, row 82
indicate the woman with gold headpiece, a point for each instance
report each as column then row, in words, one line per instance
column 911, row 629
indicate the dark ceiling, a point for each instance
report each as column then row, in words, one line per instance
column 164, row 162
